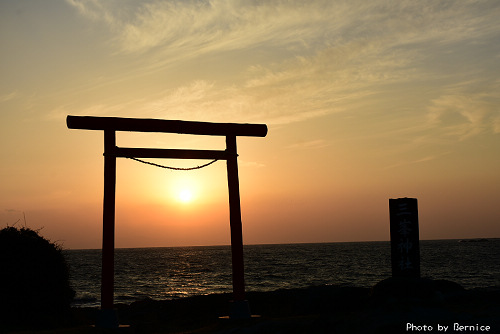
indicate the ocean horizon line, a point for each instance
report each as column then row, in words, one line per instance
column 288, row 243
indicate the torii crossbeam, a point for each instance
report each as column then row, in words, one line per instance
column 230, row 130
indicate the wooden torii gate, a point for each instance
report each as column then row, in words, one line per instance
column 110, row 125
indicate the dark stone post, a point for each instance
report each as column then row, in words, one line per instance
column 405, row 248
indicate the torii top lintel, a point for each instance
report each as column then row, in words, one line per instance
column 163, row 125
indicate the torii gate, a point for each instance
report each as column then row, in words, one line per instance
column 110, row 125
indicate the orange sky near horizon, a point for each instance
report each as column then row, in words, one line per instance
column 364, row 101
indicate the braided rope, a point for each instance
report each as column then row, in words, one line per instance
column 173, row 168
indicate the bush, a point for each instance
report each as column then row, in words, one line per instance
column 34, row 279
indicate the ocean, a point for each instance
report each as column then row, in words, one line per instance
column 175, row 272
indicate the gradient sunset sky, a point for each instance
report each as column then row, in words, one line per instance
column 364, row 101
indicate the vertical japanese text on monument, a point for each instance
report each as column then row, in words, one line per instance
column 405, row 250
column 404, row 245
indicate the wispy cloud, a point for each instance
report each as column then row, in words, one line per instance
column 9, row 96
column 320, row 57
column 466, row 109
column 417, row 161
column 496, row 124
column 311, row 144
column 203, row 26
column 331, row 80
column 98, row 10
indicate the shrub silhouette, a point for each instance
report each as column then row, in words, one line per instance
column 34, row 279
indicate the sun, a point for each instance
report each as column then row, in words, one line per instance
column 185, row 196
column 183, row 189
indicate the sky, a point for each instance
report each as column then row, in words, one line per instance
column 364, row 101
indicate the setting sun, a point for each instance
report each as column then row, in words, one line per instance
column 185, row 196
column 184, row 188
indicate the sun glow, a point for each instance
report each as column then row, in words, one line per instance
column 192, row 189
column 185, row 196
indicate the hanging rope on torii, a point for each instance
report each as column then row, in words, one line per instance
column 174, row 168
column 110, row 125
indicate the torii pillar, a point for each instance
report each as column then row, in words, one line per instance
column 239, row 306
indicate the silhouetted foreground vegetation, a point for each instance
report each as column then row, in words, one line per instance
column 34, row 280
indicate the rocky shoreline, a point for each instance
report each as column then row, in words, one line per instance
column 392, row 306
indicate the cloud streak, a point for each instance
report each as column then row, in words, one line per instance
column 417, row 161
column 203, row 26
column 466, row 109
column 206, row 25
column 9, row 96
column 315, row 58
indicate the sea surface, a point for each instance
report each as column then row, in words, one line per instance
column 174, row 272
